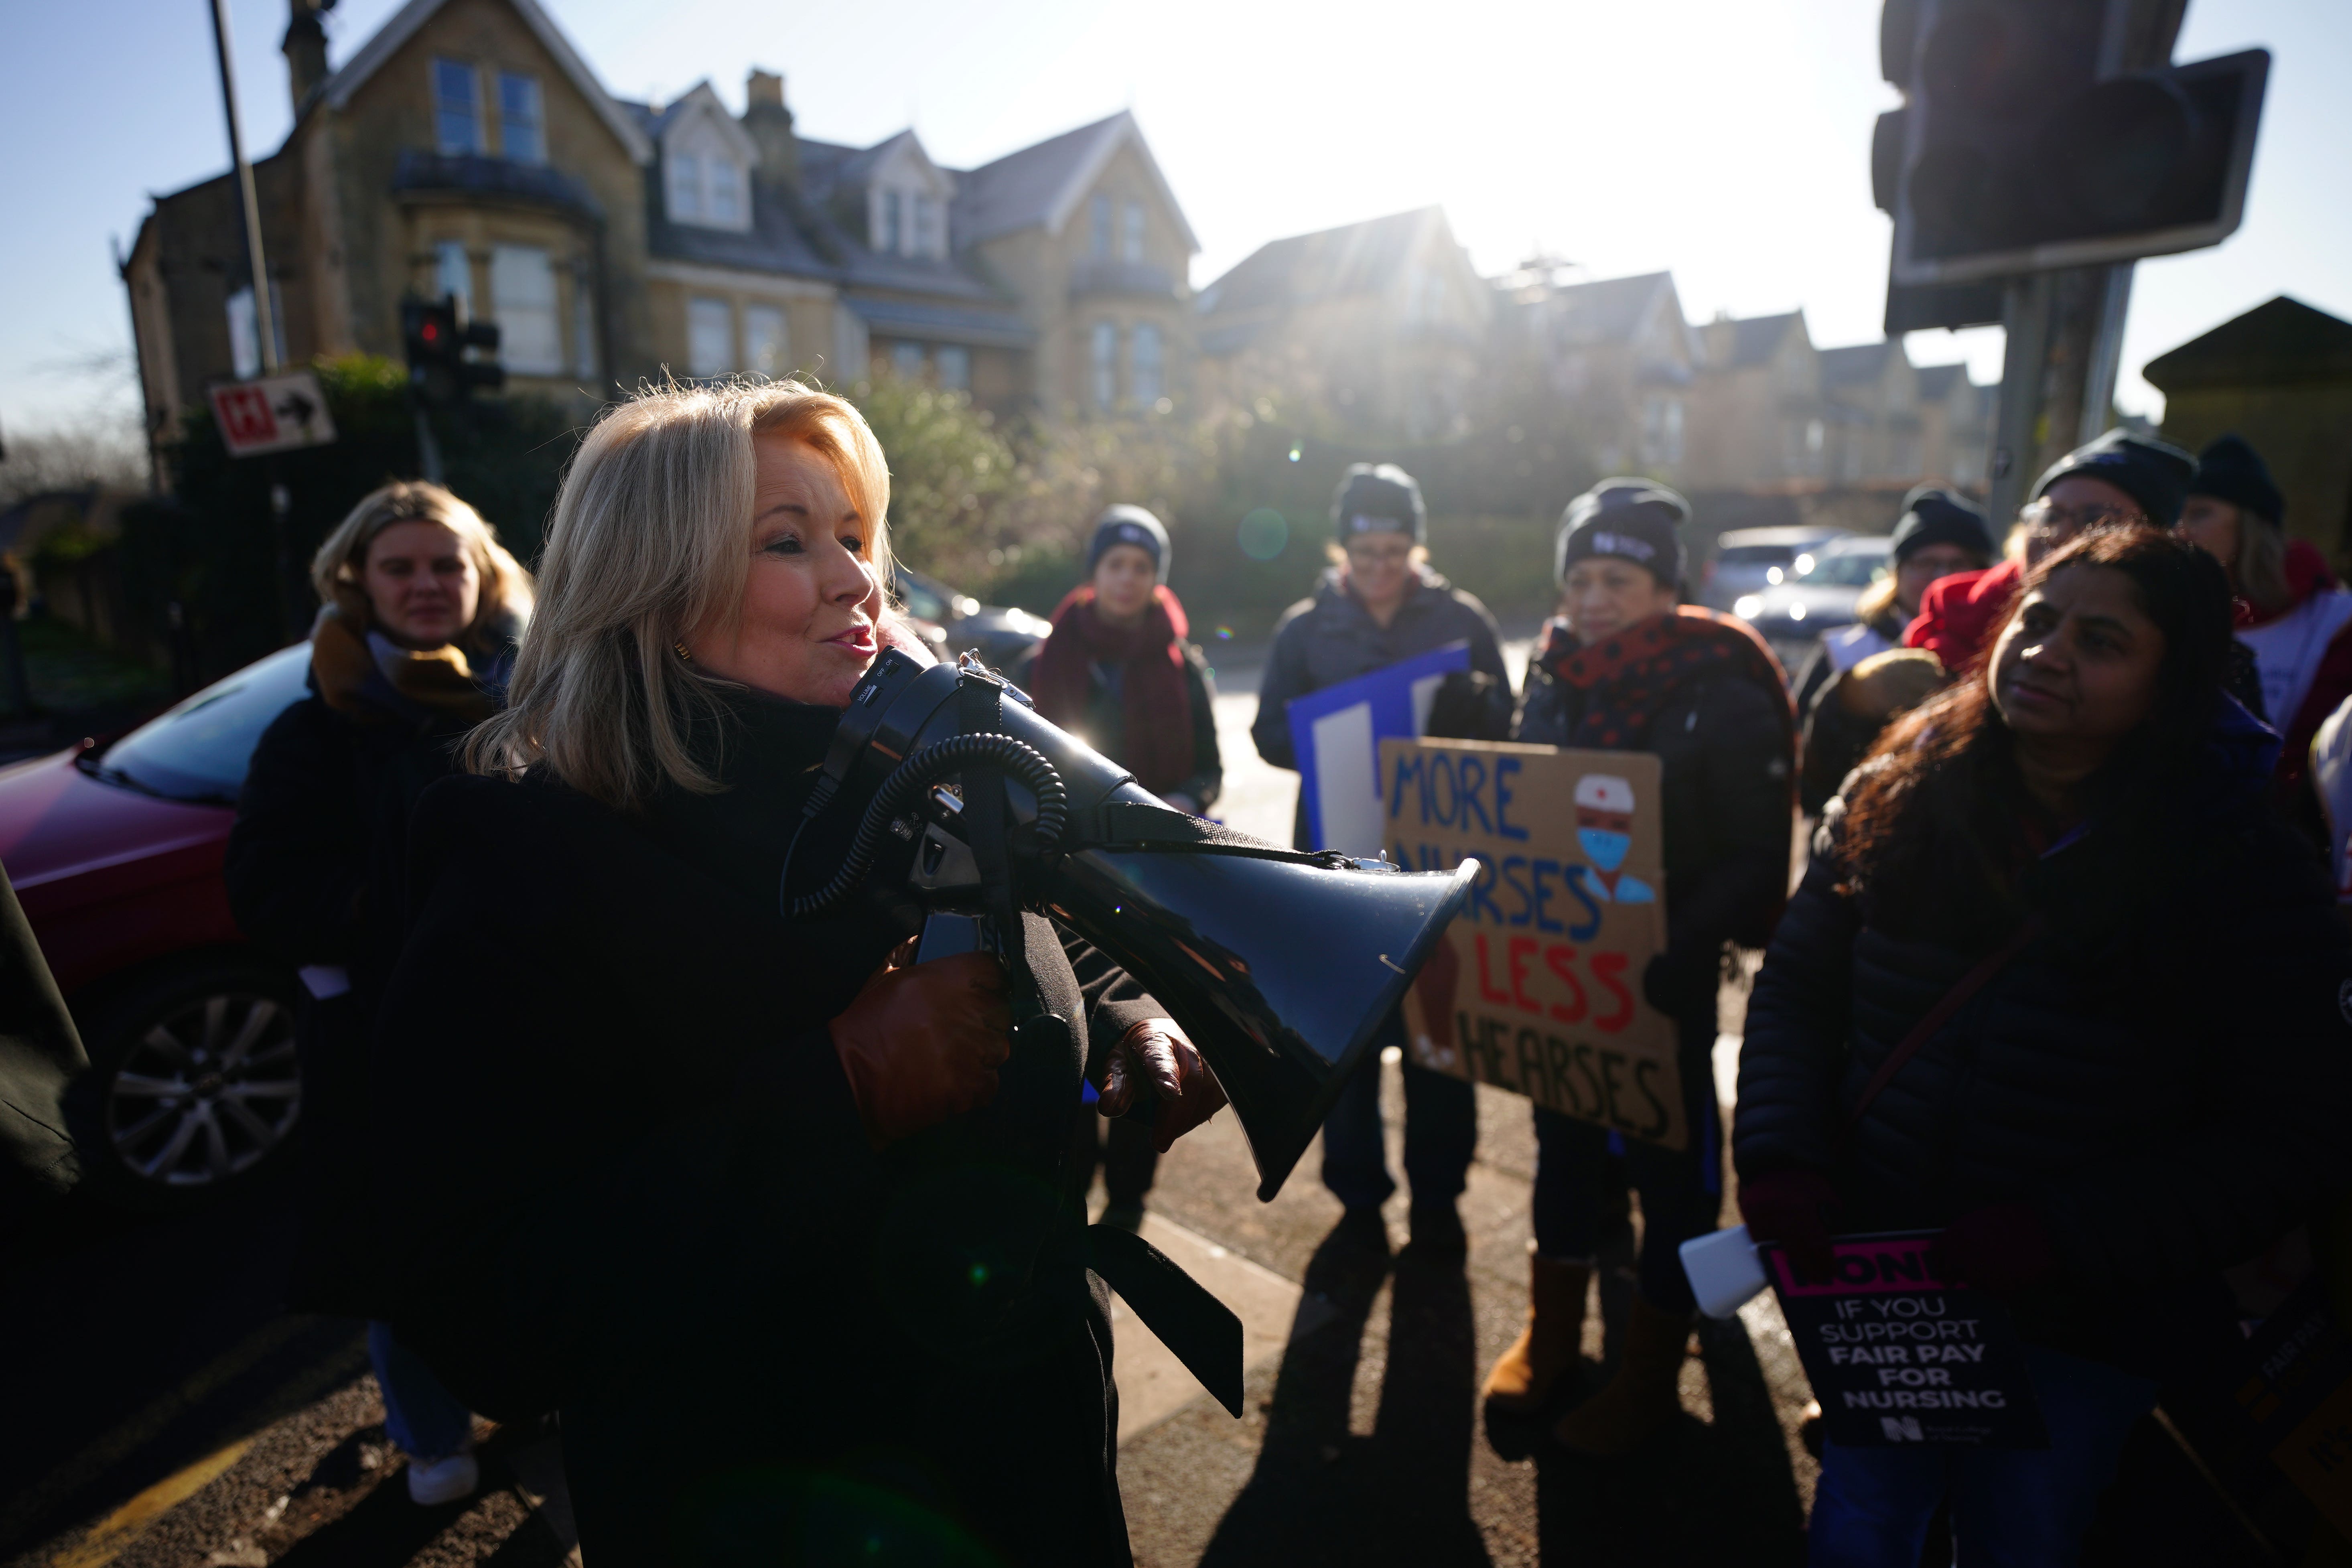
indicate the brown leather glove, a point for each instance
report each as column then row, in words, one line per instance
column 1155, row 1053
column 922, row 1042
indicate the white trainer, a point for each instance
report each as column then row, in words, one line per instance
column 432, row 1482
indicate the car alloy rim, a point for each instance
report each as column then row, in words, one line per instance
column 211, row 1089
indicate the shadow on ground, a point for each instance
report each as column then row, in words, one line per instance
column 1321, row 1493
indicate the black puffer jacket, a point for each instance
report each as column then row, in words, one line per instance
column 1723, row 744
column 2171, row 1101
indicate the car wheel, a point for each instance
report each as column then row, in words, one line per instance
column 195, row 1085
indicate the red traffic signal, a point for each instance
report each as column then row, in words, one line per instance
column 448, row 360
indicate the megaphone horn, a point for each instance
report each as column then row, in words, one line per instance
column 1280, row 966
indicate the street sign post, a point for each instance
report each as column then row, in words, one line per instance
column 272, row 414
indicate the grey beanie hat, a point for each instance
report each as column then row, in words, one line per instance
column 1633, row 520
column 1129, row 525
column 1378, row 498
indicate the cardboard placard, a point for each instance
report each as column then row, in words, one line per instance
column 1536, row 986
column 1336, row 734
column 1898, row 1356
column 2298, row 1394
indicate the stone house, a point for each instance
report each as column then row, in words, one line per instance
column 1756, row 409
column 1870, row 394
column 467, row 149
column 1956, row 420
column 1384, row 324
column 2281, row 376
column 1619, row 356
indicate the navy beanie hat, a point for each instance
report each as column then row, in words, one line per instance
column 1129, row 525
column 1935, row 515
column 1378, row 498
column 1631, row 520
column 2233, row 470
column 2152, row 472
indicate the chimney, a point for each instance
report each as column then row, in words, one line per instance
column 770, row 125
column 305, row 47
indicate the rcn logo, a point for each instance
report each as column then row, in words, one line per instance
column 1901, row 1428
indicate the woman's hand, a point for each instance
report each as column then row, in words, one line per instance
column 1156, row 1055
column 1800, row 1210
column 922, row 1042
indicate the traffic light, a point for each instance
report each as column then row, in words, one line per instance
column 435, row 339
column 2025, row 145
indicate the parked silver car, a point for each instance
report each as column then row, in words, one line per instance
column 1816, row 596
column 1750, row 560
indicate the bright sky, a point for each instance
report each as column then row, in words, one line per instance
column 1726, row 139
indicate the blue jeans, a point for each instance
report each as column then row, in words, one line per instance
column 2011, row 1508
column 1440, row 1134
column 424, row 1420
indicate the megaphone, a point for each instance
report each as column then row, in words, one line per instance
column 1279, row 966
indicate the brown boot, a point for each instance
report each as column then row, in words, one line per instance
column 1643, row 1399
column 1547, row 1348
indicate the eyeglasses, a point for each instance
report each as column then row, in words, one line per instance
column 2046, row 519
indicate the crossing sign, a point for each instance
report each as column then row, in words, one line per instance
column 272, row 414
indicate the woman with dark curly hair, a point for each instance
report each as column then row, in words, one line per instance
column 2145, row 1079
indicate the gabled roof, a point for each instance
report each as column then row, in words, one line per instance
column 2277, row 343
column 1936, row 380
column 1041, row 186
column 404, row 24
column 1332, row 264
column 1609, row 311
column 1753, row 339
column 1856, row 362
column 702, row 95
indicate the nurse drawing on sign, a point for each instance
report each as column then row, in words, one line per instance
column 1604, row 827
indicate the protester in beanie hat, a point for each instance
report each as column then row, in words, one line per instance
column 2152, row 472
column 1129, row 525
column 1378, row 498
column 1633, row 520
column 1935, row 515
column 2233, row 472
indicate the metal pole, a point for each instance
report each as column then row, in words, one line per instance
column 2025, row 332
column 2105, row 358
column 264, row 325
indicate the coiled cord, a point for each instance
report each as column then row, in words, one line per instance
column 910, row 778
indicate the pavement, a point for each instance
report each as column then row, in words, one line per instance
column 161, row 1409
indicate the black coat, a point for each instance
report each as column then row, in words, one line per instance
column 314, row 871
column 1722, row 743
column 1331, row 637
column 623, row 1174
column 2170, row 1100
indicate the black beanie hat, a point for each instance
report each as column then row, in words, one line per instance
column 2152, row 472
column 1936, row 516
column 1378, row 498
column 1129, row 525
column 2232, row 469
column 1629, row 519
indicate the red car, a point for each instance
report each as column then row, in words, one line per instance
column 116, row 854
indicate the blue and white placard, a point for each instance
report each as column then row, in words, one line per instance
column 1337, row 733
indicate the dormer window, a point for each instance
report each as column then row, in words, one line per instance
column 457, row 108
column 1130, row 237
column 706, row 188
column 1098, row 227
column 893, row 223
column 522, row 126
column 928, row 240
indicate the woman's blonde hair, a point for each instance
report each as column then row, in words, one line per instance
column 2258, row 574
column 651, row 539
column 336, row 569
